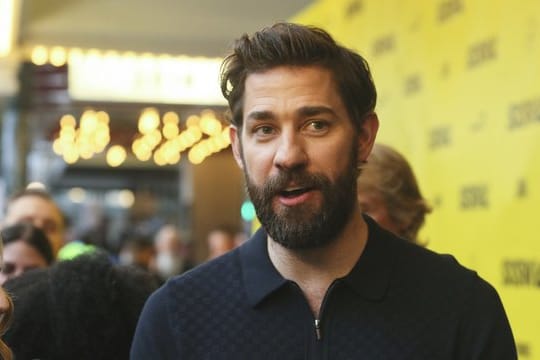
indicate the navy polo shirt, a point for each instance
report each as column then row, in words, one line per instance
column 400, row 301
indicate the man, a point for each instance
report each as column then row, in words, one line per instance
column 317, row 281
column 37, row 207
column 171, row 253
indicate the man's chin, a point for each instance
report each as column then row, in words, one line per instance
column 301, row 246
column 297, row 213
column 297, row 231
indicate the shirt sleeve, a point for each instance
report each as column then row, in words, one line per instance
column 153, row 337
column 486, row 332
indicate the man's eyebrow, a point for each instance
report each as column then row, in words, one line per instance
column 307, row 111
column 260, row 115
column 304, row 111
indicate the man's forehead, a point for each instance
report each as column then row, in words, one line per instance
column 301, row 87
column 32, row 204
column 31, row 199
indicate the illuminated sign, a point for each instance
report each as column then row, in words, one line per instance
column 128, row 77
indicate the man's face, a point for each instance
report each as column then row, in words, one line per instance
column 299, row 151
column 42, row 214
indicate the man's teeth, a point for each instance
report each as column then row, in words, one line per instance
column 294, row 191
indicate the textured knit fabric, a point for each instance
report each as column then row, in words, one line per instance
column 400, row 301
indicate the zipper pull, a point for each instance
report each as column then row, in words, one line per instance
column 318, row 329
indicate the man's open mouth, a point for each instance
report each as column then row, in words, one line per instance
column 293, row 192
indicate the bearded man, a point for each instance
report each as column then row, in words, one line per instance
column 319, row 280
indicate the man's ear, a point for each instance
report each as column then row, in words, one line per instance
column 236, row 145
column 367, row 135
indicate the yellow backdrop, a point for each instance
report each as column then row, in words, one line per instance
column 459, row 96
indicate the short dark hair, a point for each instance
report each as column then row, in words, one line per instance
column 31, row 235
column 287, row 44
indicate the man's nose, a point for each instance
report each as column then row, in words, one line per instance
column 291, row 152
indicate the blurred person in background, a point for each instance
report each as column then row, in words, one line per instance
column 6, row 316
column 240, row 237
column 84, row 309
column 87, row 239
column 389, row 193
column 220, row 240
column 171, row 253
column 37, row 207
column 136, row 250
column 26, row 247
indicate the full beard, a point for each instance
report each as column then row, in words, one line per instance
column 306, row 226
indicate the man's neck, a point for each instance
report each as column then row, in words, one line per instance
column 315, row 269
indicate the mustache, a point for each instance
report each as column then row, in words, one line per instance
column 278, row 183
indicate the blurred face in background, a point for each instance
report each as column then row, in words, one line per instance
column 168, row 240
column 373, row 204
column 19, row 257
column 219, row 242
column 40, row 212
column 170, row 252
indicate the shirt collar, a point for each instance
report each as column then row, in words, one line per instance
column 261, row 278
column 370, row 276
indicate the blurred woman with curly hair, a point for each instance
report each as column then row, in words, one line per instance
column 389, row 193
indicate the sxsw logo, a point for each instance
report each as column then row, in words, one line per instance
column 482, row 52
column 521, row 272
column 354, row 7
column 449, row 8
column 384, row 45
column 413, row 84
column 474, row 196
column 439, row 137
column 524, row 113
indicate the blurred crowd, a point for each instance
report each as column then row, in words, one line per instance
column 77, row 299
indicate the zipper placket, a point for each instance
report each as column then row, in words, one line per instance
column 318, row 329
column 318, row 320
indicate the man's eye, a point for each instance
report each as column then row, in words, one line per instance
column 264, row 130
column 317, row 125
